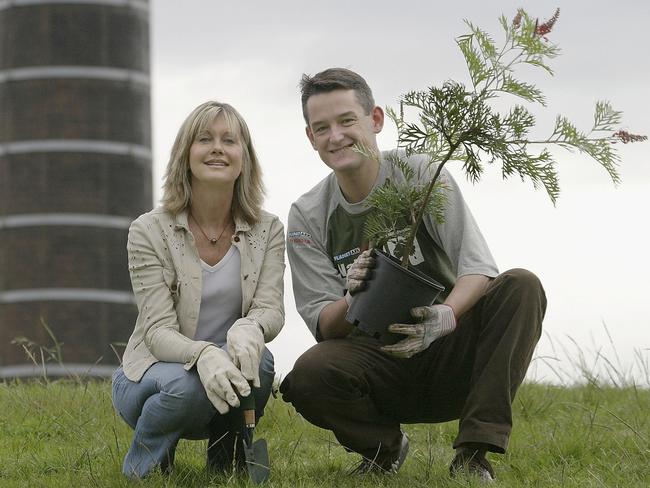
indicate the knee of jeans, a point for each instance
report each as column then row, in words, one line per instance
column 267, row 364
column 187, row 391
column 267, row 376
column 120, row 400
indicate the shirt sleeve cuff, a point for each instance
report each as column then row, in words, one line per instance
column 196, row 351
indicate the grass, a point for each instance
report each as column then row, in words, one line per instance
column 66, row 434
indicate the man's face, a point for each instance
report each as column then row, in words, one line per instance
column 336, row 122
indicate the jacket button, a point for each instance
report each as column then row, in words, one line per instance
column 236, row 239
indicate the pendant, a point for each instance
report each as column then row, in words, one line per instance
column 213, row 241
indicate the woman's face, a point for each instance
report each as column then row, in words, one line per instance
column 217, row 155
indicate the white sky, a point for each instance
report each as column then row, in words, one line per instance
column 590, row 251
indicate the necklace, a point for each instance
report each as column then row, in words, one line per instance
column 212, row 240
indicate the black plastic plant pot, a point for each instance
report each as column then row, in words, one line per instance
column 389, row 296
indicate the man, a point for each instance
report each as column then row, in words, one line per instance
column 463, row 358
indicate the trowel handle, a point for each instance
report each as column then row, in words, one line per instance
column 247, row 404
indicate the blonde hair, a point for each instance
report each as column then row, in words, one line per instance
column 249, row 189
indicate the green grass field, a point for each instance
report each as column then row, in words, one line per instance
column 66, row 434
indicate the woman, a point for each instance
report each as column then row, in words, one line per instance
column 207, row 272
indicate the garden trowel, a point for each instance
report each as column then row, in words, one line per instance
column 256, row 453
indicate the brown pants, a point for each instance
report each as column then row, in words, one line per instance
column 352, row 388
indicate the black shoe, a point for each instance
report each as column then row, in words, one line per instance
column 472, row 462
column 390, row 466
column 167, row 464
column 225, row 452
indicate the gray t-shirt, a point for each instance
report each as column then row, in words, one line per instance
column 325, row 235
column 221, row 298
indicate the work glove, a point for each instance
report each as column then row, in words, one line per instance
column 218, row 376
column 245, row 345
column 359, row 272
column 431, row 323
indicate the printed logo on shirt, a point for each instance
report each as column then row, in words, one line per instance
column 417, row 256
column 344, row 260
column 299, row 237
column 347, row 254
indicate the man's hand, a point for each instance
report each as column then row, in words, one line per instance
column 359, row 272
column 432, row 323
column 245, row 345
column 218, row 375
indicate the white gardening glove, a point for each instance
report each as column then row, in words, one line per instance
column 359, row 273
column 245, row 345
column 218, row 376
column 432, row 323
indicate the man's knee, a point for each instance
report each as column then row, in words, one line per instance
column 320, row 371
column 522, row 277
column 303, row 375
column 517, row 293
column 525, row 284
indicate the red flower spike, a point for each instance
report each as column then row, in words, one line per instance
column 625, row 137
column 546, row 27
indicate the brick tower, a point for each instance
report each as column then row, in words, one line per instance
column 75, row 170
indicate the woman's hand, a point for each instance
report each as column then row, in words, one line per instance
column 245, row 345
column 218, row 376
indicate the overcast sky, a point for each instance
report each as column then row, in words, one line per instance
column 590, row 251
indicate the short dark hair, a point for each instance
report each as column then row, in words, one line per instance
column 335, row 79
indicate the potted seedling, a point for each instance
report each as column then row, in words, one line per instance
column 460, row 124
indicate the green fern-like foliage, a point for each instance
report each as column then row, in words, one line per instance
column 455, row 122
column 399, row 200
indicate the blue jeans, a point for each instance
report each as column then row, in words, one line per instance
column 170, row 403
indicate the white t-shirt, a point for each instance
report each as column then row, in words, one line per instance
column 221, row 298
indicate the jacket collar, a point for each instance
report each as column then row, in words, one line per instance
column 181, row 222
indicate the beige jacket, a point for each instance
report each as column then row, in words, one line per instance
column 166, row 277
